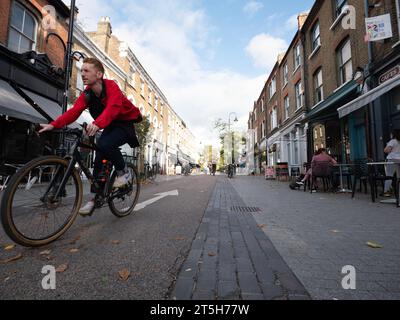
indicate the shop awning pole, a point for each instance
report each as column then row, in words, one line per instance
column 68, row 56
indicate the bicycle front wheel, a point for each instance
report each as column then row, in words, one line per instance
column 30, row 213
column 122, row 201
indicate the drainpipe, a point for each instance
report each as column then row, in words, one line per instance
column 370, row 83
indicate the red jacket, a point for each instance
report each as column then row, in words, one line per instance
column 117, row 107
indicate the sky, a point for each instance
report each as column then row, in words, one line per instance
column 209, row 58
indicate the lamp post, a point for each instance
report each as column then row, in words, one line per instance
column 229, row 130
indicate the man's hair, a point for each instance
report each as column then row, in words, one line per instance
column 97, row 64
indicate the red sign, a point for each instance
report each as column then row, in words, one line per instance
column 389, row 74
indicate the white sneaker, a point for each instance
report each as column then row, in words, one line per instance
column 122, row 180
column 87, row 209
column 300, row 183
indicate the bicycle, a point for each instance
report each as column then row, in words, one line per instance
column 29, row 204
column 150, row 172
column 230, row 171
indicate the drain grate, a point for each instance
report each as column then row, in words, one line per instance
column 245, row 209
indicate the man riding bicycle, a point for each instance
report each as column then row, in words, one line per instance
column 111, row 111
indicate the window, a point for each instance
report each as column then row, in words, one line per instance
column 398, row 15
column 345, row 63
column 132, row 77
column 299, row 95
column 22, row 29
column 285, row 74
column 262, row 105
column 274, row 118
column 297, row 60
column 315, row 37
column 149, row 97
column 272, row 87
column 318, row 86
column 263, row 129
column 79, row 82
column 132, row 99
column 295, row 139
column 287, row 106
column 142, row 87
column 156, row 103
column 339, row 4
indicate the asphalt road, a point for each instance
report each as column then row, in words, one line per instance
column 149, row 246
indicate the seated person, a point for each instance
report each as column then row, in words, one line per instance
column 320, row 156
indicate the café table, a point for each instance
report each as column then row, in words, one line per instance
column 341, row 165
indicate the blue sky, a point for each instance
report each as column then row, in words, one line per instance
column 208, row 57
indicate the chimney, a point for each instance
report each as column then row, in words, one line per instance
column 103, row 33
column 301, row 18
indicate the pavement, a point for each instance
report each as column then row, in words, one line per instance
column 318, row 234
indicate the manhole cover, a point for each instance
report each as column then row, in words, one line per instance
column 245, row 209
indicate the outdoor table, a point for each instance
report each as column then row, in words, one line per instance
column 392, row 200
column 340, row 165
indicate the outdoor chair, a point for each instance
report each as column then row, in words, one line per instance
column 377, row 174
column 282, row 170
column 360, row 173
column 321, row 170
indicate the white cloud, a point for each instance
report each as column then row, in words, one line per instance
column 252, row 7
column 264, row 49
column 292, row 23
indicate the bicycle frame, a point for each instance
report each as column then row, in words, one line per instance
column 75, row 158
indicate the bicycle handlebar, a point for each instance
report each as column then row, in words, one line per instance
column 75, row 131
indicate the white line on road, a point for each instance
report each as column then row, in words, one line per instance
column 144, row 204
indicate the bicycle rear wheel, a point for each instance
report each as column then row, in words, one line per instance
column 122, row 201
column 30, row 214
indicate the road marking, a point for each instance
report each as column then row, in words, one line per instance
column 144, row 204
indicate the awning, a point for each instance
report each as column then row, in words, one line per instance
column 52, row 108
column 13, row 105
column 368, row 97
column 334, row 99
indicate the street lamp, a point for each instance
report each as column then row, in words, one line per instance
column 229, row 130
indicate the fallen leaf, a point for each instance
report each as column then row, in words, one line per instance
column 9, row 247
column 115, row 242
column 179, row 238
column 75, row 240
column 62, row 267
column 74, row 250
column 262, row 225
column 17, row 257
column 211, row 254
column 187, row 270
column 373, row 245
column 124, row 274
column 335, row 231
column 45, row 252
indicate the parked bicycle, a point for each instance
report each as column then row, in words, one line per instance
column 151, row 171
column 36, row 211
column 230, row 171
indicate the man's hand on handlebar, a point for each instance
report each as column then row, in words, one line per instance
column 91, row 129
column 45, row 127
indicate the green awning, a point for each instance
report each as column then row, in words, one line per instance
column 337, row 99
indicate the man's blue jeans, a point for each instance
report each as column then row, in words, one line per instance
column 109, row 142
